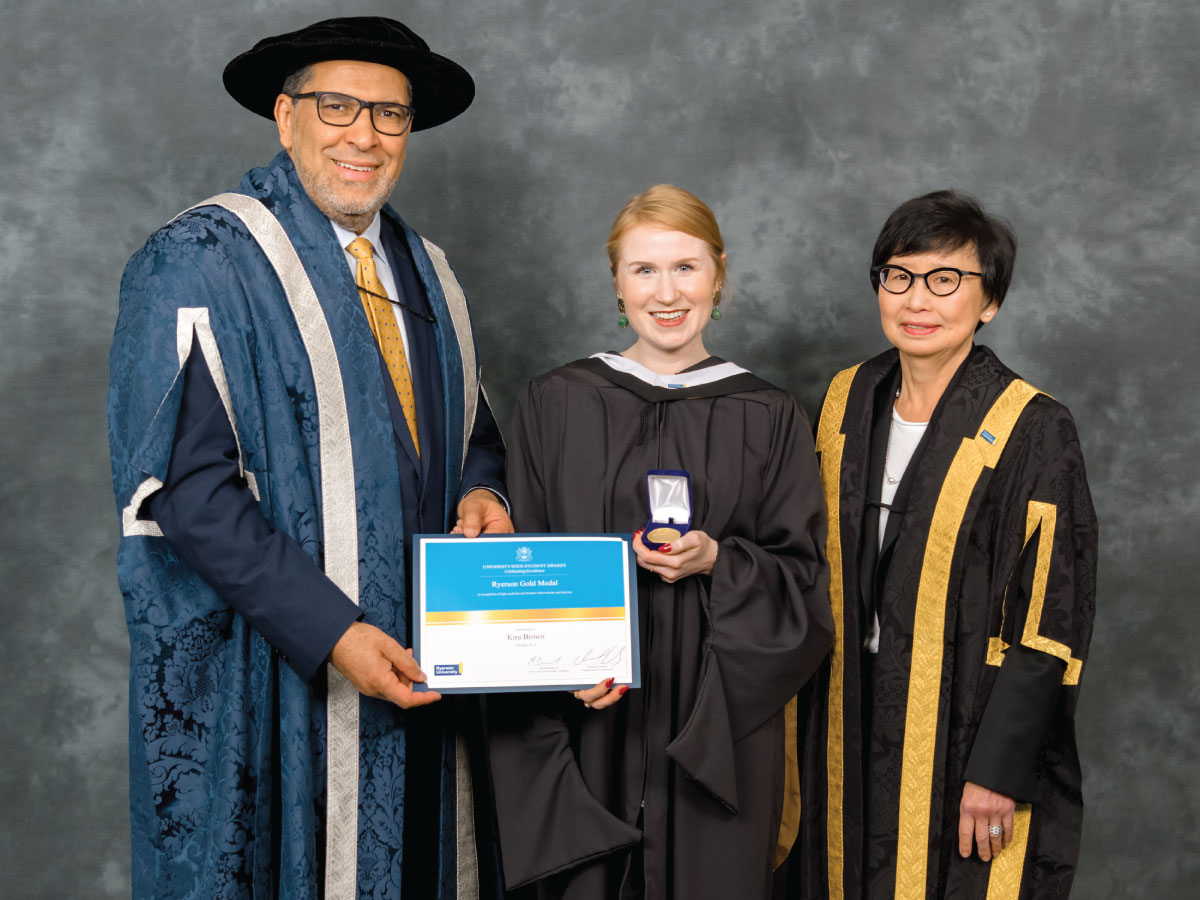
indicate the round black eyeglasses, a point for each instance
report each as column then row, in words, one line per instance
column 941, row 282
column 342, row 110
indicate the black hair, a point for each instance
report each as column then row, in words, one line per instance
column 948, row 220
column 295, row 81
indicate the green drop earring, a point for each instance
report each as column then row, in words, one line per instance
column 716, row 313
column 622, row 319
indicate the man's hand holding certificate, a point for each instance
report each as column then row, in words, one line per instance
column 525, row 612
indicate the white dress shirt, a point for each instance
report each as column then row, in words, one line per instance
column 902, row 443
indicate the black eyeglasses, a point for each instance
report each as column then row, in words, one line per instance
column 342, row 110
column 941, row 282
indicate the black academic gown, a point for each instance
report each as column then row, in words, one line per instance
column 679, row 789
column 985, row 589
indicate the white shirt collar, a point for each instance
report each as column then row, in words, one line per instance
column 371, row 233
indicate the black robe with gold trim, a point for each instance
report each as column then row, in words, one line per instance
column 688, row 787
column 985, row 591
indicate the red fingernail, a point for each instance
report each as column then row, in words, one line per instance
column 622, row 689
column 665, row 548
column 609, row 683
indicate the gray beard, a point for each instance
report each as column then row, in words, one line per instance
column 353, row 216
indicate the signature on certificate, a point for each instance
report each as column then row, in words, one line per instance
column 601, row 657
column 544, row 662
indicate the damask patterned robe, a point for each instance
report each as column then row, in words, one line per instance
column 985, row 591
column 235, row 759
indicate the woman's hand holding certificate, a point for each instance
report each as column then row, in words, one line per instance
column 602, row 695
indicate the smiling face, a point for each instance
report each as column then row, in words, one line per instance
column 667, row 280
column 348, row 172
column 922, row 325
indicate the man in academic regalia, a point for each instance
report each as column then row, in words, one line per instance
column 294, row 393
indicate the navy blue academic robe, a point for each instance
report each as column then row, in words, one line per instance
column 232, row 764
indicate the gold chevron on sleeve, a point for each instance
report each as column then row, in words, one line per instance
column 1042, row 519
column 1046, row 516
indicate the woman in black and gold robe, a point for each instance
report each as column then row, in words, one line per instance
column 941, row 758
column 687, row 787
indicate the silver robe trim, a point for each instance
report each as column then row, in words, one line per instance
column 466, row 856
column 339, row 529
column 190, row 321
column 461, row 318
column 131, row 525
column 193, row 322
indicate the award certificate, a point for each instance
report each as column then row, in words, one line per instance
column 524, row 612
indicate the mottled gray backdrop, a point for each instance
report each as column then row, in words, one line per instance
column 802, row 124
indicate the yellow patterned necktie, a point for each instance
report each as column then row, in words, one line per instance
column 386, row 330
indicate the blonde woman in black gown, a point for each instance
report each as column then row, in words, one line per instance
column 686, row 787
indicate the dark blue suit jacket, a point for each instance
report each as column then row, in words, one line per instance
column 208, row 513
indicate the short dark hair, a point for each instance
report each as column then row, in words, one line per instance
column 296, row 81
column 948, row 220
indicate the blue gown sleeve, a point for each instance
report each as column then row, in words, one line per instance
column 213, row 521
column 484, row 466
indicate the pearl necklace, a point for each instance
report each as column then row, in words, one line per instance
column 891, row 479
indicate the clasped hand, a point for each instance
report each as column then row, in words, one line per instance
column 693, row 554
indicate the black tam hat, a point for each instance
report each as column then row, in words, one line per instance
column 441, row 88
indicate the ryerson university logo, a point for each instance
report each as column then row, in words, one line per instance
column 524, row 554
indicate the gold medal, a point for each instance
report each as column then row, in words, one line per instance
column 663, row 535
